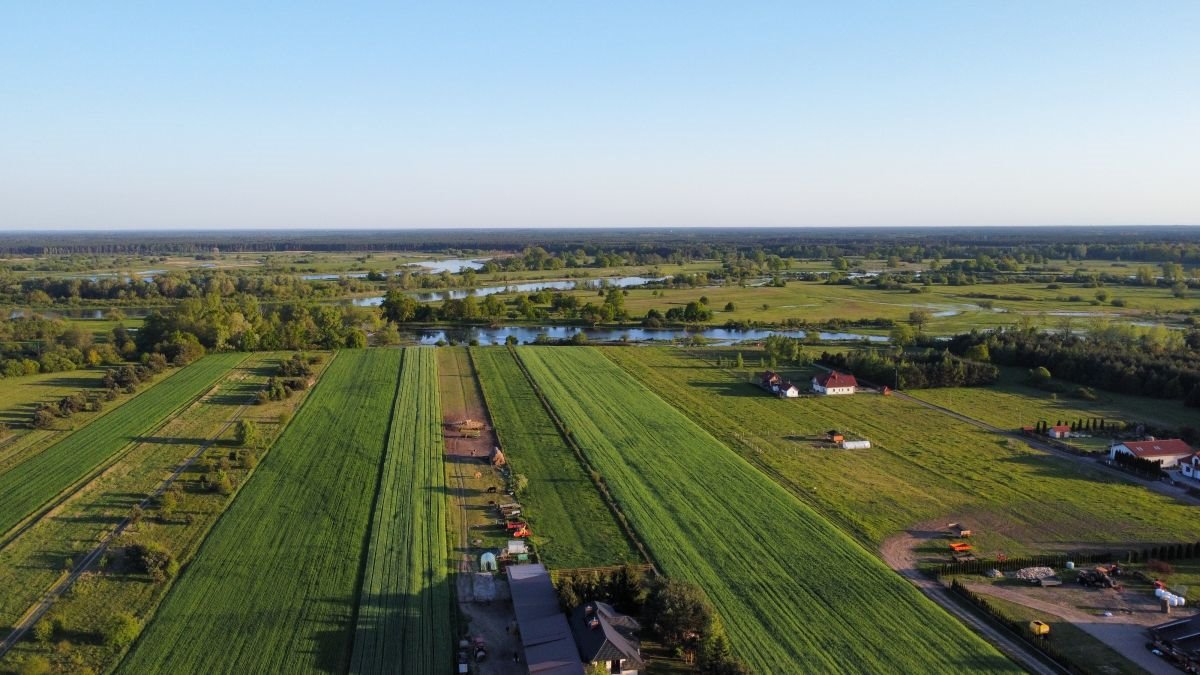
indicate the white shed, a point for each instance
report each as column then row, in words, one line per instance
column 517, row 547
column 487, row 562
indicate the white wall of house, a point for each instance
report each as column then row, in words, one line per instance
column 832, row 391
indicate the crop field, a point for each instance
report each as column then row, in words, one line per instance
column 404, row 623
column 275, row 584
column 924, row 466
column 572, row 526
column 35, row 481
column 793, row 590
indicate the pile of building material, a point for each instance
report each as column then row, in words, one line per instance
column 1034, row 573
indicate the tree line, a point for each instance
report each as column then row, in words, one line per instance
column 926, row 369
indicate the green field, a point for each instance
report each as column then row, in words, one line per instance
column 794, row 592
column 925, row 467
column 274, row 587
column 404, row 623
column 37, row 480
column 572, row 526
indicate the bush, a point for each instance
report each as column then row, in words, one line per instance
column 34, row 664
column 154, row 559
column 121, row 631
column 1160, row 567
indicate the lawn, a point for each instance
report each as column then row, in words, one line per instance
column 794, row 592
column 572, row 525
column 404, row 610
column 275, row 585
column 31, row 563
column 924, row 467
column 32, row 483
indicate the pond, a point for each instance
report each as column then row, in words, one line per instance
column 528, row 334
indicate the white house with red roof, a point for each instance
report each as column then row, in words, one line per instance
column 1170, row 452
column 834, row 383
column 1059, row 431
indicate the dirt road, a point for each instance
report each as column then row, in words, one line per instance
column 465, row 455
column 898, row 553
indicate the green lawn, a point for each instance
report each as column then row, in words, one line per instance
column 794, row 592
column 572, row 526
column 275, row 585
column 924, row 467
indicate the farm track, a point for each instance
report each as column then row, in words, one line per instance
column 786, row 571
column 273, row 586
column 36, row 612
column 42, row 482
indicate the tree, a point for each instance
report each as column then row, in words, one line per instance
column 919, row 317
column 247, row 434
column 43, row 630
column 978, row 352
column 741, row 363
column 167, row 504
column 356, row 339
column 511, row 340
column 729, row 307
column 398, row 306
column 35, row 664
column 678, row 611
column 121, row 631
column 902, row 335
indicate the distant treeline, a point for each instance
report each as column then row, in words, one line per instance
column 1154, row 244
column 924, row 370
column 1155, row 362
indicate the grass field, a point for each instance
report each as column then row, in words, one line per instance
column 572, row 526
column 1009, row 404
column 404, row 618
column 32, row 562
column 795, row 593
column 924, row 467
column 274, row 587
column 35, row 481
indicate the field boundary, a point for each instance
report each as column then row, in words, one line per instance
column 98, row 470
column 593, row 475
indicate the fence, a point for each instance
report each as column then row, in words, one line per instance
column 1020, row 629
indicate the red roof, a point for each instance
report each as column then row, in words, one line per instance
column 1061, row 428
column 1170, row 447
column 836, row 380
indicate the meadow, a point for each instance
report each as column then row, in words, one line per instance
column 572, row 526
column 275, row 585
column 32, row 483
column 924, row 467
column 793, row 591
column 404, row 610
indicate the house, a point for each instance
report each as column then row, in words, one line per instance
column 834, row 383
column 1059, row 431
column 774, row 383
column 546, row 637
column 1191, row 466
column 1168, row 452
column 607, row 638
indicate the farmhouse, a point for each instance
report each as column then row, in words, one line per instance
column 774, row 383
column 545, row 636
column 1191, row 466
column 834, row 383
column 607, row 638
column 1169, row 452
column 1059, row 431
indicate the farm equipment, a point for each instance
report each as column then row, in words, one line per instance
column 479, row 647
column 515, row 525
column 957, row 530
column 1097, row 578
column 1039, row 628
column 522, row 533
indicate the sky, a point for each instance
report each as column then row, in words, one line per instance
column 173, row 115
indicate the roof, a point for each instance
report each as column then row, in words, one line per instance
column 835, row 380
column 1183, row 633
column 1171, row 447
column 549, row 646
column 613, row 637
column 1060, row 427
column 771, row 376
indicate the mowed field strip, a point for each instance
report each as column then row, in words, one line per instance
column 404, row 611
column 924, row 466
column 275, row 584
column 795, row 593
column 37, row 480
column 572, row 526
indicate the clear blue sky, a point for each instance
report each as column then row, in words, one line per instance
column 525, row 113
